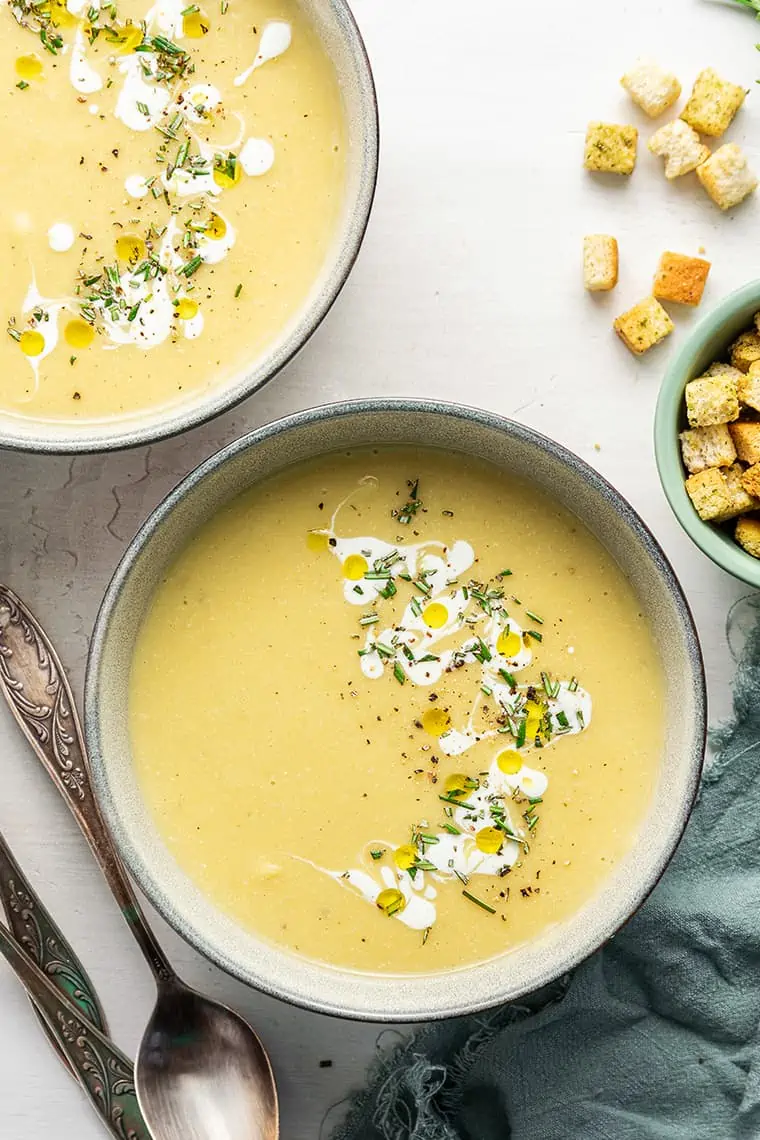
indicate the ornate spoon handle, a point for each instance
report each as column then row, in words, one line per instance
column 34, row 684
column 104, row 1072
column 36, row 932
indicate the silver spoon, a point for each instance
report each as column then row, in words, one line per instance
column 201, row 1071
column 65, row 1001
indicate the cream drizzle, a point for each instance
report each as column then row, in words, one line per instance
column 275, row 39
column 404, row 646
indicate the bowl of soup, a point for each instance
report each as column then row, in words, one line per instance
column 395, row 709
column 186, row 190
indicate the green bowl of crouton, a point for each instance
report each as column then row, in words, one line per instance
column 707, row 435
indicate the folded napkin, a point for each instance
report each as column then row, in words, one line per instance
column 656, row 1037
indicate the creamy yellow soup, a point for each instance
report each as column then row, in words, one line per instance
column 172, row 179
column 396, row 710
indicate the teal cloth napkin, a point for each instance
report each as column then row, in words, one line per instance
column 656, row 1037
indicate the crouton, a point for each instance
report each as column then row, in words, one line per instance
column 651, row 87
column 748, row 387
column 709, row 495
column 726, row 176
column 741, row 499
column 707, row 447
column 610, row 148
column 600, row 263
column 751, row 480
column 719, row 368
column 680, row 146
column 745, row 351
column 643, row 326
column 680, row 278
column 711, row 400
column 712, row 104
column 746, row 439
column 748, row 535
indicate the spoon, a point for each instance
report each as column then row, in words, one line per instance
column 103, row 1071
column 65, row 1001
column 201, row 1072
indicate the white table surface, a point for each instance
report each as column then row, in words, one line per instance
column 468, row 287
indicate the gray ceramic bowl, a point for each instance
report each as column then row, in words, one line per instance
column 334, row 23
column 457, row 429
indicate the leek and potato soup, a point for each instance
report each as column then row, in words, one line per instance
column 173, row 179
column 396, row 710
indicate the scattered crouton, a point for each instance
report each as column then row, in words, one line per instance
column 711, row 400
column 741, row 499
column 611, row 148
column 709, row 494
column 751, row 480
column 746, row 439
column 712, row 104
column 748, row 535
column 651, row 87
column 681, row 279
column 643, row 326
column 707, row 447
column 680, row 146
column 726, row 176
column 600, row 263
column 745, row 351
column 748, row 387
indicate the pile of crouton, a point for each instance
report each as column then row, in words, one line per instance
column 725, row 175
column 721, row 449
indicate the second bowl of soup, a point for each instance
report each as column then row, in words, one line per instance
column 201, row 180
column 396, row 710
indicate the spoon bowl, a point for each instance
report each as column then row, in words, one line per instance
column 203, row 1074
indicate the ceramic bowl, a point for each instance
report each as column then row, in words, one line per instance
column 568, row 480
column 334, row 23
column 707, row 343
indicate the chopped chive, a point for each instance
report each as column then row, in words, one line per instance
column 485, row 689
column 504, row 574
column 426, row 934
column 423, row 587
column 479, row 902
column 22, row 85
column 415, row 607
column 144, row 109
column 508, row 678
column 429, row 657
column 452, row 829
column 535, row 635
column 581, row 719
column 456, row 802
column 521, row 732
column 190, row 267
column 238, row 290
column 399, row 673
column 377, row 575
column 534, row 617
column 369, row 619
column 573, row 686
column 377, row 854
column 383, row 650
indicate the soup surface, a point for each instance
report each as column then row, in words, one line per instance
column 172, row 180
column 396, row 710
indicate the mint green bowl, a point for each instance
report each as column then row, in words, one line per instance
column 707, row 343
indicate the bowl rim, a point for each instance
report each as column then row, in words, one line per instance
column 178, row 420
column 729, row 556
column 284, row 988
